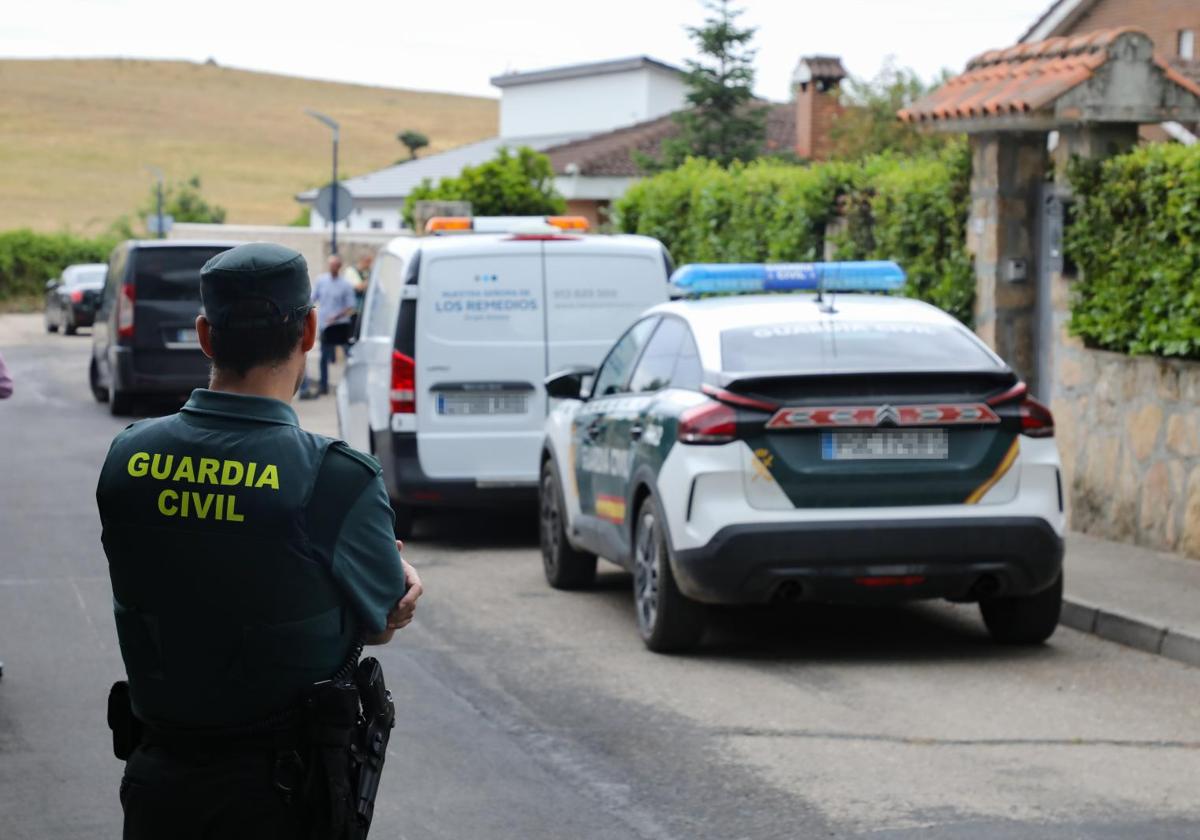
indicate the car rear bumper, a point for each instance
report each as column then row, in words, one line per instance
column 407, row 483
column 83, row 315
column 872, row 560
column 159, row 372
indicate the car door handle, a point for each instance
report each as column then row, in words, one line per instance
column 636, row 430
column 593, row 430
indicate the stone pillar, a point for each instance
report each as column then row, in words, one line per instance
column 1007, row 171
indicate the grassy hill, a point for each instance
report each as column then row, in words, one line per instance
column 76, row 136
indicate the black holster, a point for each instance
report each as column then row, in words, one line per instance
column 330, row 721
column 126, row 728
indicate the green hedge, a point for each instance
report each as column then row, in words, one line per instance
column 911, row 210
column 28, row 259
column 1135, row 235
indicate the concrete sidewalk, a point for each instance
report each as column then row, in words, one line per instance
column 1123, row 593
column 1134, row 596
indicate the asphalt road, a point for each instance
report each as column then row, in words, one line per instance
column 527, row 713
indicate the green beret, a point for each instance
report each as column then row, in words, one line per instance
column 257, row 271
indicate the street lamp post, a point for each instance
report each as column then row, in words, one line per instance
column 317, row 115
column 158, row 173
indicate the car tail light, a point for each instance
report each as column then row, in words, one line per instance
column 125, row 302
column 712, row 422
column 1036, row 419
column 403, row 395
column 77, row 296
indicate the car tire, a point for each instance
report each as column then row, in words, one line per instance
column 404, row 520
column 101, row 394
column 1025, row 620
column 667, row 620
column 120, row 403
column 69, row 326
column 565, row 566
column 50, row 327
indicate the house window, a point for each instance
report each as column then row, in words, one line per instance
column 1187, row 43
column 377, row 224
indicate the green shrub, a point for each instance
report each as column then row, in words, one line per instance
column 28, row 259
column 911, row 210
column 1135, row 236
column 519, row 183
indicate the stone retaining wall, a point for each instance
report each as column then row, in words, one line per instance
column 1129, row 432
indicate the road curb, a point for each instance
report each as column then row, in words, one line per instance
column 1130, row 630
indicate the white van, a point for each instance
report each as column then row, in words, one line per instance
column 457, row 334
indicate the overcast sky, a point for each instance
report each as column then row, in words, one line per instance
column 457, row 45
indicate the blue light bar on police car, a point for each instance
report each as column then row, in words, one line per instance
column 718, row 278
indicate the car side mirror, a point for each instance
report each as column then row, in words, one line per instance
column 568, row 384
column 50, row 284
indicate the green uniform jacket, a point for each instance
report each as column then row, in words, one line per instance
column 245, row 555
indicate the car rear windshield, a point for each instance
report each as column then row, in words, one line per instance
column 845, row 346
column 170, row 273
column 86, row 277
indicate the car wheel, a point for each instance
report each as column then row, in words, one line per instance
column 50, row 326
column 120, row 403
column 404, row 520
column 565, row 566
column 101, row 394
column 1027, row 620
column 69, row 326
column 666, row 619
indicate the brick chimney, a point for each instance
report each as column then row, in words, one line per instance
column 815, row 82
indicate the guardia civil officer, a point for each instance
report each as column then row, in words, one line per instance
column 247, row 558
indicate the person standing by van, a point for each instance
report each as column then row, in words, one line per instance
column 336, row 303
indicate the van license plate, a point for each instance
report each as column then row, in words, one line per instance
column 188, row 337
column 904, row 445
column 481, row 404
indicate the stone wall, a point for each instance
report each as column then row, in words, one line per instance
column 1128, row 429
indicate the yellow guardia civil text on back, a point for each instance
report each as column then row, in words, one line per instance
column 191, row 504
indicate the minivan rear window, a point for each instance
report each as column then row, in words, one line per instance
column 845, row 346
column 170, row 273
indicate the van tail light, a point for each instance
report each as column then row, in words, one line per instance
column 711, row 422
column 125, row 302
column 77, row 296
column 1036, row 419
column 403, row 396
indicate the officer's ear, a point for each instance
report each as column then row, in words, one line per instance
column 309, row 337
column 204, row 333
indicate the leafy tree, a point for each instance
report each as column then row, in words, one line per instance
column 183, row 201
column 511, row 184
column 869, row 125
column 723, row 123
column 413, row 141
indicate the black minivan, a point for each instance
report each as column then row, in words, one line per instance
column 144, row 340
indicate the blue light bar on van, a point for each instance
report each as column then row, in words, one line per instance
column 725, row 278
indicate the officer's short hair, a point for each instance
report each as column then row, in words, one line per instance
column 238, row 349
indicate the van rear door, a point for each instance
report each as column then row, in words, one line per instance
column 480, row 361
column 596, row 288
column 166, row 287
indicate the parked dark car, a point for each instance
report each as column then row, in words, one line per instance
column 72, row 300
column 144, row 342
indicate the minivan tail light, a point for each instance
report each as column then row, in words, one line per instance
column 403, row 396
column 125, row 302
column 1036, row 419
column 77, row 296
column 711, row 422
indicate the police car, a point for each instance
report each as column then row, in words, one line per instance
column 820, row 445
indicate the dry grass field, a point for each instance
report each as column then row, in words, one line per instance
column 76, row 136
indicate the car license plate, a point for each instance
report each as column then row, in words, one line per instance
column 187, row 337
column 889, row 445
column 481, row 403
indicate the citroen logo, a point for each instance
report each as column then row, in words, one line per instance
column 887, row 416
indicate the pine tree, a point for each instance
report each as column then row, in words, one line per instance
column 724, row 122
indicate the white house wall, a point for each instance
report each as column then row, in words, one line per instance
column 365, row 218
column 588, row 104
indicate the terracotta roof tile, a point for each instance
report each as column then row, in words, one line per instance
column 1025, row 78
column 613, row 153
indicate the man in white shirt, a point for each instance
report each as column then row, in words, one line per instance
column 336, row 303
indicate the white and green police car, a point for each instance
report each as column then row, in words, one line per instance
column 828, row 446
